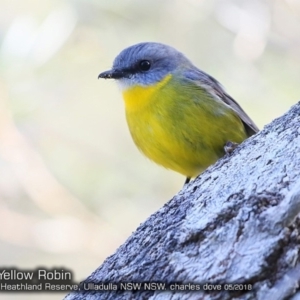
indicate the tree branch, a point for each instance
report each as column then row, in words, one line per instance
column 236, row 223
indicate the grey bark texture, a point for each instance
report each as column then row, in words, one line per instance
column 236, row 223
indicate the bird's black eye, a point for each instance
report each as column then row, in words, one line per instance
column 145, row 65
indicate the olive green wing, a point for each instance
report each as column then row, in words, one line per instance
column 214, row 87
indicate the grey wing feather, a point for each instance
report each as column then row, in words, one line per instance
column 206, row 81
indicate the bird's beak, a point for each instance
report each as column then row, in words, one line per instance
column 113, row 74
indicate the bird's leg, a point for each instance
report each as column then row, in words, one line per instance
column 230, row 146
column 187, row 180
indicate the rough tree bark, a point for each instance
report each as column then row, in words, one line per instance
column 236, row 223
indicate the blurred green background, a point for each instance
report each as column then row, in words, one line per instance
column 73, row 186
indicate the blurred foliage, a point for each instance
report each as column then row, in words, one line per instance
column 72, row 184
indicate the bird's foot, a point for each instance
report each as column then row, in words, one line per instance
column 230, row 146
column 188, row 179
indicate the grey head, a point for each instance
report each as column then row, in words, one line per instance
column 145, row 64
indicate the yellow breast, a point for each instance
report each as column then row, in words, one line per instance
column 136, row 98
column 178, row 127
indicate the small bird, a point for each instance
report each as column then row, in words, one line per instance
column 178, row 116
